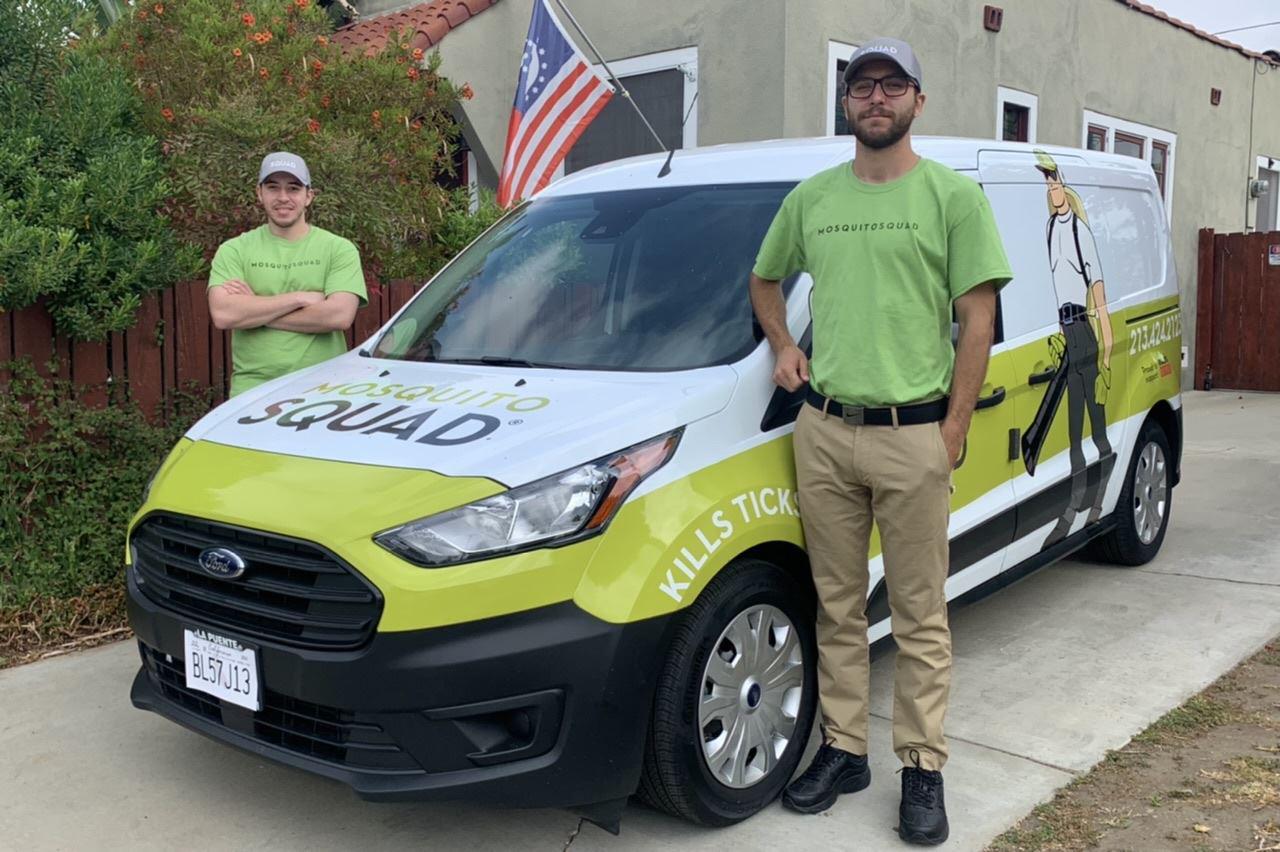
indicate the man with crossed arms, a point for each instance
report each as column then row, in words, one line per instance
column 287, row 288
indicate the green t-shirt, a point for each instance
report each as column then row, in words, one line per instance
column 887, row 260
column 271, row 265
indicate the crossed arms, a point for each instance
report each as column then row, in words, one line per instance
column 233, row 304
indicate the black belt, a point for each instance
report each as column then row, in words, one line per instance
column 1071, row 312
column 856, row 415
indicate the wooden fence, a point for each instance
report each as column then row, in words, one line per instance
column 172, row 346
column 1238, row 311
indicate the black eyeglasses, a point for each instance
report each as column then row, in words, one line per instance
column 893, row 87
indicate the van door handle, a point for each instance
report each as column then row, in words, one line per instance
column 996, row 397
column 1041, row 378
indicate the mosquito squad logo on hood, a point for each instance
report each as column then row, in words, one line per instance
column 435, row 415
column 510, row 425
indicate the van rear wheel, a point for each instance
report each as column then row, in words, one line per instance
column 1143, row 509
column 736, row 698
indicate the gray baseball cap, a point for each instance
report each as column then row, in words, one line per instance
column 283, row 161
column 891, row 49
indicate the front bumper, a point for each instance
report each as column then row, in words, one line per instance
column 544, row 708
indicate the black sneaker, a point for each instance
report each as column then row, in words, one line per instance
column 922, row 816
column 833, row 771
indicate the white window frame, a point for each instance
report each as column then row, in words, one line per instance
column 682, row 59
column 1271, row 164
column 1005, row 95
column 1110, row 124
column 836, row 51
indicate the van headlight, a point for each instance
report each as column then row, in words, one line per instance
column 562, row 508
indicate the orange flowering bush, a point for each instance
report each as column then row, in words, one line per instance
column 224, row 82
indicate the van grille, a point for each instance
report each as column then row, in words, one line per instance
column 293, row 592
column 312, row 730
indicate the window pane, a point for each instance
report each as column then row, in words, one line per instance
column 1130, row 146
column 1267, row 206
column 648, row 279
column 1121, row 221
column 1016, row 119
column 1097, row 138
column 1159, row 161
column 1158, row 153
column 1020, row 212
column 617, row 131
column 842, row 125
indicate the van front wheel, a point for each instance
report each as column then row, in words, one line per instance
column 735, row 699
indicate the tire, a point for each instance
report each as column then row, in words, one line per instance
column 1142, row 517
column 749, row 598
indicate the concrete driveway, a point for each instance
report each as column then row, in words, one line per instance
column 1049, row 674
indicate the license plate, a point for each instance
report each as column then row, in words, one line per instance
column 223, row 668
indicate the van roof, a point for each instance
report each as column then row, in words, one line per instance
column 793, row 160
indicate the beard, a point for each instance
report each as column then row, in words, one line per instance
column 891, row 135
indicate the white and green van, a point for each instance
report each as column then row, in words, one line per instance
column 536, row 543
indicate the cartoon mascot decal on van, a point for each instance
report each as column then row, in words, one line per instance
column 1083, row 368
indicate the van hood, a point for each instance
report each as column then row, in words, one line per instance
column 510, row 425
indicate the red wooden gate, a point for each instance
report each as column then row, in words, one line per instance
column 1238, row 312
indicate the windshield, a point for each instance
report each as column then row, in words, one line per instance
column 648, row 279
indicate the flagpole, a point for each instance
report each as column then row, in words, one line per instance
column 627, row 95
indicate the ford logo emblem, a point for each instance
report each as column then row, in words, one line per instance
column 222, row 563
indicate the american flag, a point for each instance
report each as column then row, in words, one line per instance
column 557, row 96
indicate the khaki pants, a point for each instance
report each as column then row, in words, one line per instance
column 901, row 478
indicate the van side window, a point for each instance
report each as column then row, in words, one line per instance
column 1124, row 222
column 1028, row 303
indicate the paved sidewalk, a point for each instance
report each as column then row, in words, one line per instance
column 1050, row 673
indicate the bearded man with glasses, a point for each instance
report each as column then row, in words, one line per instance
column 892, row 242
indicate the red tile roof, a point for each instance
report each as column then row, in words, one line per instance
column 429, row 22
column 1169, row 19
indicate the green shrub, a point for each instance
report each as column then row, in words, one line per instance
column 73, row 476
column 81, row 183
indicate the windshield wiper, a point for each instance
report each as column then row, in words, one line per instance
column 498, row 361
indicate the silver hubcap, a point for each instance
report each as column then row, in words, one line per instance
column 1150, row 493
column 751, row 691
